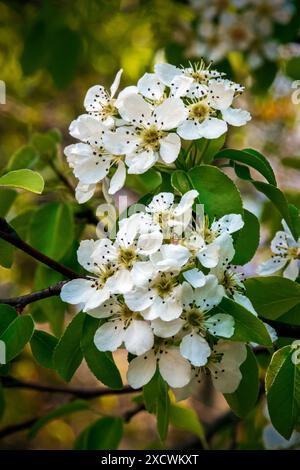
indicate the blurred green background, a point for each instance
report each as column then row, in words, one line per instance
column 51, row 52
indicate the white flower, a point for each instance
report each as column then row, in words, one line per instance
column 190, row 82
column 197, row 323
column 123, row 326
column 174, row 369
column 151, row 87
column 158, row 292
column 100, row 103
column 286, row 255
column 224, row 366
column 209, row 114
column 88, row 129
column 84, row 192
column 149, row 136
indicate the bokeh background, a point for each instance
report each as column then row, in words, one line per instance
column 51, row 52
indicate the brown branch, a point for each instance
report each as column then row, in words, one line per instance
column 23, row 300
column 285, row 330
column 11, row 382
column 8, row 234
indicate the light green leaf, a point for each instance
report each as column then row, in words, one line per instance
column 52, row 229
column 24, row 157
column 103, row 434
column 73, row 407
column 16, row 336
column 272, row 296
column 42, row 347
column 23, row 179
column 243, row 400
column 248, row 239
column 187, row 419
column 217, row 192
column 67, row 354
column 180, row 181
column 283, row 391
column 101, row 364
column 157, row 401
column 247, row 327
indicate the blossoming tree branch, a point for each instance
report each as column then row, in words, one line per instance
column 168, row 285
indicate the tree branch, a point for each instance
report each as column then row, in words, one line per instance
column 11, row 382
column 284, row 329
column 23, row 300
column 8, row 234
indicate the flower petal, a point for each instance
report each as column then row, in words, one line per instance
column 236, row 117
column 151, row 87
column 271, row 266
column 76, row 291
column 220, row 324
column 195, row 348
column 120, row 282
column 212, row 128
column 160, row 203
column 170, row 114
column 141, row 370
column 186, row 202
column 228, row 223
column 139, row 299
column 195, row 277
column 118, row 180
column 166, row 329
column 135, row 110
column 220, row 94
column 88, row 129
column 116, row 83
column 140, row 162
column 170, row 147
column 292, row 270
column 149, row 243
column 166, row 72
column 138, row 337
column 109, row 336
column 174, row 368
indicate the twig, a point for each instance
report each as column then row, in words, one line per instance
column 61, row 176
column 8, row 234
column 23, row 300
column 11, row 382
column 17, row 427
column 284, row 329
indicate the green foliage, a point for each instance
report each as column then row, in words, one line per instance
column 101, row 364
column 2, row 402
column 52, row 229
column 16, row 335
column 293, row 68
column 248, row 239
column 7, row 198
column 7, row 316
column 216, row 191
column 24, row 157
column 180, row 181
column 103, row 434
column 272, row 296
column 6, row 254
column 157, row 401
column 187, row 419
column 243, row 400
column 23, row 179
column 247, row 327
column 73, row 407
column 283, row 391
column 42, row 347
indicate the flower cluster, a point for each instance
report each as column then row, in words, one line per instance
column 246, row 26
column 145, row 124
column 157, row 289
column 286, row 255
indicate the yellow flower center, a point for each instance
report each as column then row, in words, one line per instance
column 126, row 257
column 199, row 111
column 151, row 138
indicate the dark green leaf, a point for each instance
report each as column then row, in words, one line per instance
column 243, row 400
column 187, row 419
column 42, row 347
column 67, row 354
column 248, row 239
column 7, row 197
column 6, row 254
column 24, row 157
column 7, row 316
column 157, row 401
column 292, row 162
column 180, row 181
column 103, row 434
column 100, row 363
column 293, row 68
column 17, row 335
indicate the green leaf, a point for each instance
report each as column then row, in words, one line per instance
column 6, row 254
column 283, row 391
column 187, row 419
column 293, row 68
column 144, row 183
column 243, row 400
column 17, row 335
column 295, row 219
column 180, row 181
column 52, row 229
column 247, row 327
column 251, row 158
column 7, row 197
column 291, row 162
column 73, row 407
column 67, row 354
column 248, row 239
column 272, row 296
column 212, row 147
column 24, row 157
column 7, row 316
column 157, row 401
column 42, row 347
column 217, row 192
column 23, row 179
column 104, row 434
column 101, row 364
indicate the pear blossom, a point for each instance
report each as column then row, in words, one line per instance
column 174, row 369
column 123, row 326
column 149, row 132
column 286, row 255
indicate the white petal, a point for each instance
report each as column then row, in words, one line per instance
column 170, row 113
column 161, row 202
column 140, row 162
column 170, row 147
column 116, row 83
column 120, row 282
column 166, row 309
column 118, row 180
column 212, row 128
column 109, row 336
column 195, row 277
column 190, row 129
column 166, row 329
column 110, row 307
column 292, row 270
column 138, row 337
column 95, row 98
column 166, row 72
column 209, row 255
column 271, row 266
column 236, row 117
column 232, row 351
column 196, row 349
column 88, row 129
column 139, row 299
column 149, row 243
column 141, row 370
column 210, row 294
column 228, row 223
column 186, row 202
column 170, row 257
column 84, row 192
column 220, row 95
column 76, row 291
column 244, row 301
column 279, row 244
column 226, row 379
column 96, row 298
column 122, row 141
column 220, row 324
column 174, row 368
column 226, row 248
column 135, row 110
column 151, row 87
column 180, row 85
column 142, row 272
column 84, row 255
